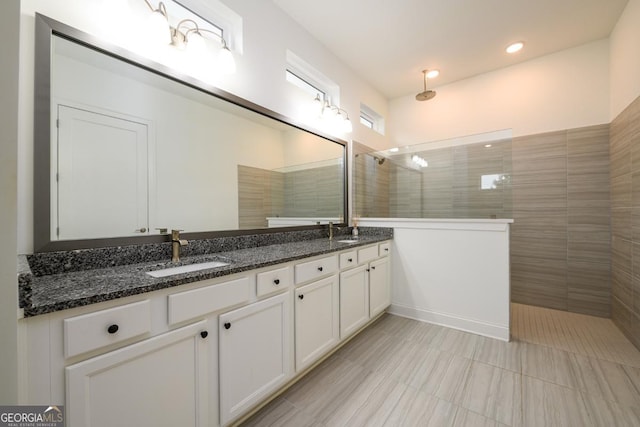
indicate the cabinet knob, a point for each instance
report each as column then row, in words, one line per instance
column 368, row 269
column 112, row 329
column 204, row 334
column 319, row 268
column 227, row 325
column 373, row 267
column 350, row 260
column 277, row 281
column 301, row 296
column 386, row 249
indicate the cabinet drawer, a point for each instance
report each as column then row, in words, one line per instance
column 385, row 249
column 348, row 259
column 198, row 302
column 273, row 281
column 95, row 330
column 313, row 269
column 367, row 254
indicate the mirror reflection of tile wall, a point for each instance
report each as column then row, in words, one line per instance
column 306, row 193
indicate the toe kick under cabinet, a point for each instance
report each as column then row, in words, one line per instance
column 205, row 353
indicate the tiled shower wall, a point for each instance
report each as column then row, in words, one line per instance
column 556, row 188
column 450, row 187
column 371, row 184
column 625, row 221
column 560, row 236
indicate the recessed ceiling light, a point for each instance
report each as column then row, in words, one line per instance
column 487, row 145
column 515, row 47
column 433, row 74
column 394, row 150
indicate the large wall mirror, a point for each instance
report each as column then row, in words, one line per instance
column 125, row 148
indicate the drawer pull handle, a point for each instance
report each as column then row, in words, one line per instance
column 276, row 282
column 350, row 260
column 112, row 329
column 319, row 268
column 227, row 325
column 373, row 267
column 204, row 334
column 386, row 249
column 301, row 296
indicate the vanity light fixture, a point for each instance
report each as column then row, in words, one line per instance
column 189, row 36
column 515, row 47
column 337, row 117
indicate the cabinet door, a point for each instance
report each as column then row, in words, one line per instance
column 379, row 286
column 158, row 382
column 354, row 300
column 254, row 348
column 317, row 320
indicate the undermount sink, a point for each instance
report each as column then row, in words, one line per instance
column 186, row 268
column 348, row 241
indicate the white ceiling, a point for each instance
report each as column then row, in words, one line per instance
column 389, row 43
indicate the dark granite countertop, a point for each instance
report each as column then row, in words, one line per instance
column 56, row 281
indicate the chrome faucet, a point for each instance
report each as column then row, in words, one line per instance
column 176, row 244
column 330, row 230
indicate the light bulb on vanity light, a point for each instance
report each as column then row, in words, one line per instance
column 344, row 124
column 226, row 61
column 158, row 27
column 347, row 126
column 196, row 44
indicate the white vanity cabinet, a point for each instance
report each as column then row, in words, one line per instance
column 254, row 348
column 204, row 353
column 365, row 291
column 379, row 286
column 317, row 317
column 161, row 381
column 354, row 300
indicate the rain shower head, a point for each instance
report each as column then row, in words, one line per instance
column 425, row 95
column 380, row 160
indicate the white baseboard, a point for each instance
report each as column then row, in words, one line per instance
column 468, row 325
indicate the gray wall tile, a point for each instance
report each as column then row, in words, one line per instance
column 624, row 148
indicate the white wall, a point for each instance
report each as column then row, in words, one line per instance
column 625, row 59
column 9, row 31
column 564, row 90
column 302, row 148
column 267, row 34
column 453, row 273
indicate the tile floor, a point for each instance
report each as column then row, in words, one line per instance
column 560, row 369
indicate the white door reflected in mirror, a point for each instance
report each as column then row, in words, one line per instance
column 99, row 157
